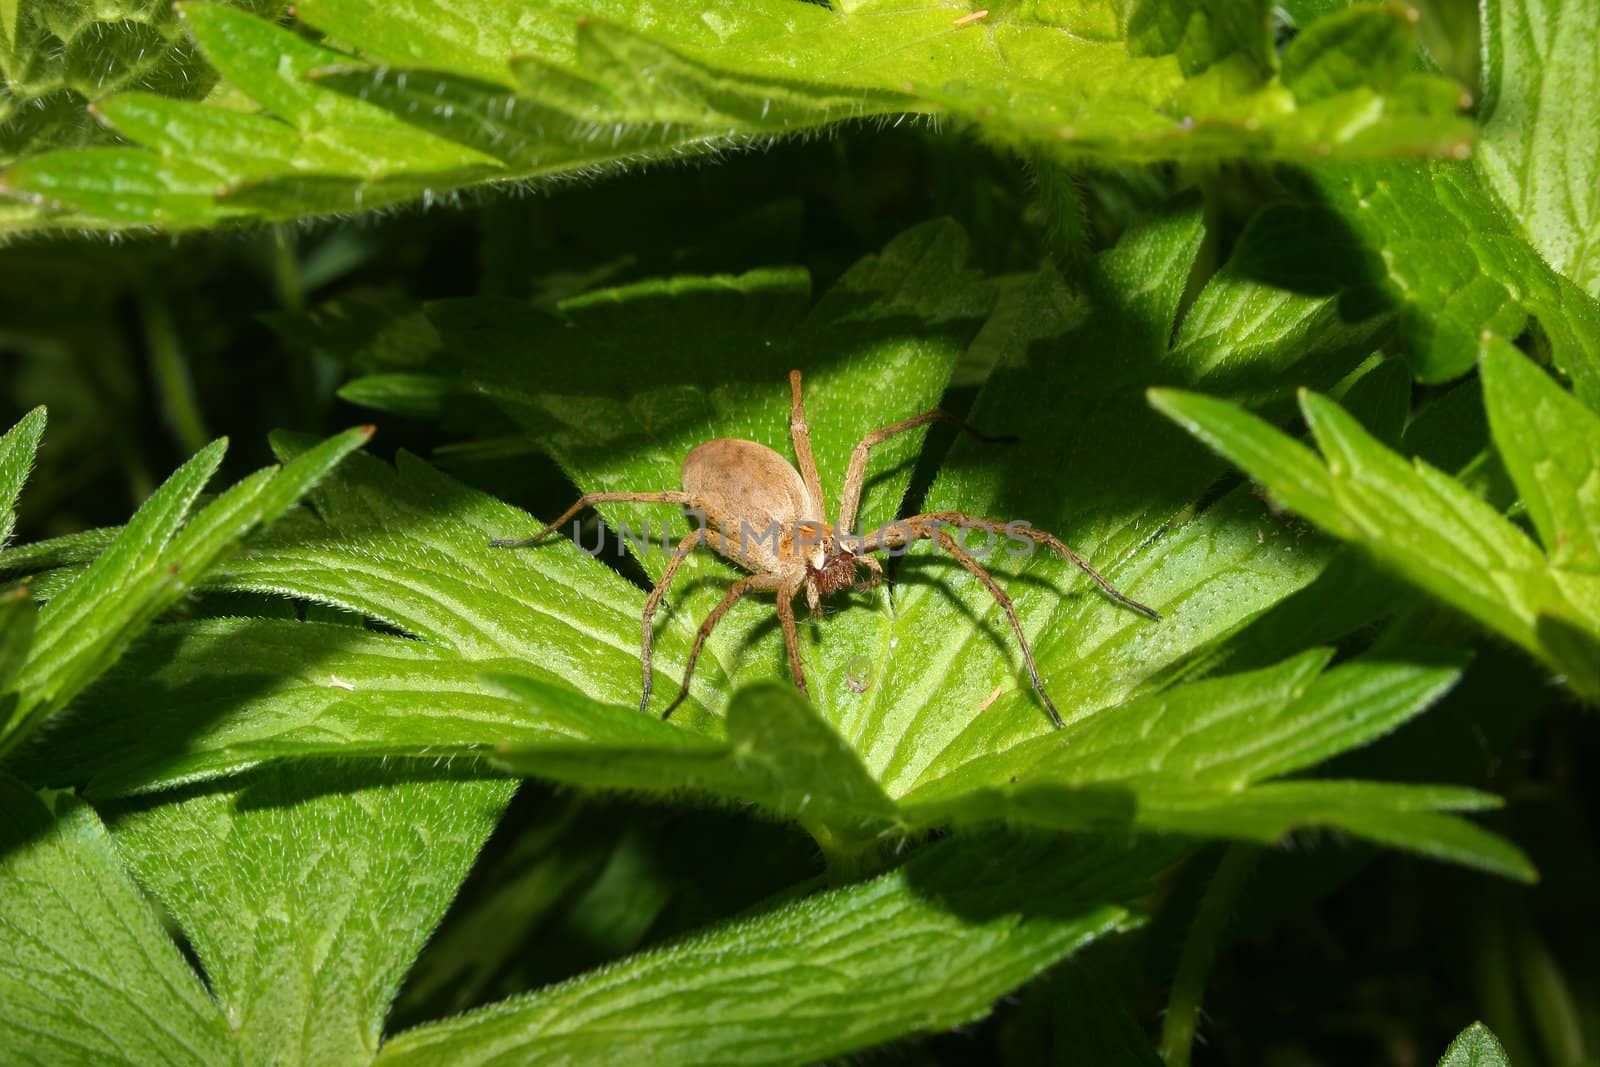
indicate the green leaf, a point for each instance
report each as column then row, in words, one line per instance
column 1476, row 1046
column 17, row 616
column 319, row 687
column 1541, row 127
column 202, row 154
column 56, row 57
column 17, row 448
column 982, row 917
column 1435, row 243
column 90, row 976
column 307, row 891
column 1361, row 45
column 1417, row 521
column 1550, row 444
column 439, row 96
column 1056, row 77
column 150, row 566
column 924, row 715
column 777, row 755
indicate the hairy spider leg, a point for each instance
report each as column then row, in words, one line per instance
column 684, row 546
column 1042, row 537
column 800, row 434
column 754, row 583
column 855, row 476
column 931, row 527
column 590, row 499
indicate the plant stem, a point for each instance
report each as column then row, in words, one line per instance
column 171, row 372
column 1200, row 951
column 292, row 298
column 286, row 269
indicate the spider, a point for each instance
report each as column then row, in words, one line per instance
column 760, row 512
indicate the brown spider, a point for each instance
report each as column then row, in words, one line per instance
column 767, row 517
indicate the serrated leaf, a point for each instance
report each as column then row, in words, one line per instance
column 201, row 154
column 57, row 57
column 982, row 916
column 778, row 754
column 148, row 568
column 17, row 448
column 1456, row 267
column 1007, row 72
column 900, row 685
column 1476, row 1046
column 306, row 892
column 1541, row 150
column 1415, row 520
column 568, row 87
column 1550, row 444
column 75, row 930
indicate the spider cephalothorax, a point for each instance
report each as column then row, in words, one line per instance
column 839, row 570
column 760, row 512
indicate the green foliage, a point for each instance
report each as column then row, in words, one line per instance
column 822, row 976
column 77, row 931
column 441, row 96
column 152, row 563
column 306, row 896
column 1502, row 242
column 1541, row 81
column 1432, row 530
column 306, row 771
column 1475, row 1047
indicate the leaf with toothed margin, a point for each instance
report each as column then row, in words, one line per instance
column 76, row 929
column 306, row 892
column 17, row 448
column 1476, row 1046
column 156, row 560
column 981, row 916
column 437, row 97
column 205, row 165
column 922, row 700
column 1427, row 527
column 777, row 754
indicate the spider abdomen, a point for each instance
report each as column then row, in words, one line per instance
column 757, row 501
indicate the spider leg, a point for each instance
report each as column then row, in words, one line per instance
column 650, row 605
column 872, row 580
column 757, row 582
column 791, row 640
column 588, row 499
column 800, row 434
column 855, row 477
column 963, row 557
column 1042, row 537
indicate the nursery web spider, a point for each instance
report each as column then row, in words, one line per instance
column 769, row 518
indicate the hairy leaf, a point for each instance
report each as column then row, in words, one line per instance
column 90, row 976
column 1541, row 127
column 17, row 448
column 1424, row 525
column 307, row 891
column 153, row 563
column 439, row 96
column 1433, row 241
column 822, row 976
column 1476, row 1046
column 898, row 720
column 1550, row 443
